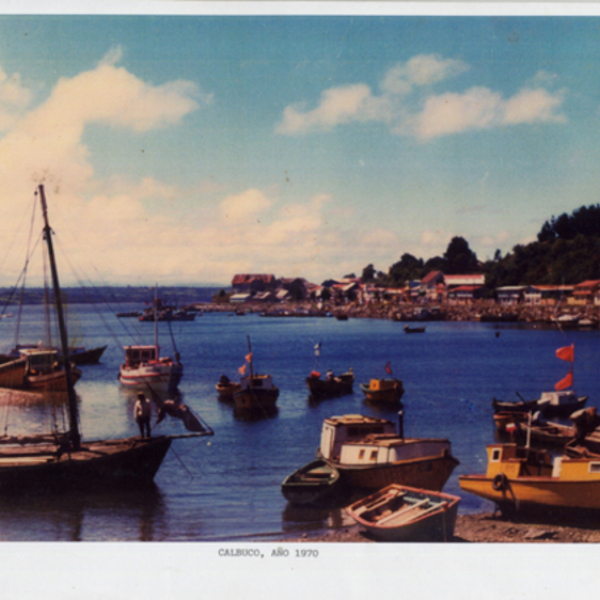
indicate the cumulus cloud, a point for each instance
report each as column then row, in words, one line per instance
column 406, row 104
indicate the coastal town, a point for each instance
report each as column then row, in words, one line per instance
column 437, row 296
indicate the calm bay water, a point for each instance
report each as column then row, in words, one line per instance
column 227, row 487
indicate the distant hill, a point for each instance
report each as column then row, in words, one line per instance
column 174, row 295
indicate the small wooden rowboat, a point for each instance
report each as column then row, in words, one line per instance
column 314, row 483
column 408, row 329
column 404, row 514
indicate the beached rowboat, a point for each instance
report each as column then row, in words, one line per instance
column 405, row 514
column 314, row 483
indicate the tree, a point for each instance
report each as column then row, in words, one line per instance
column 459, row 258
column 368, row 274
column 406, row 269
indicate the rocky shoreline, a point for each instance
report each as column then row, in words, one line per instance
column 475, row 528
column 479, row 310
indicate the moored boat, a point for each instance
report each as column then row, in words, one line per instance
column 408, row 329
column 550, row 404
column 227, row 388
column 406, row 514
column 45, row 373
column 339, row 385
column 314, row 483
column 369, row 454
column 385, row 391
column 257, row 393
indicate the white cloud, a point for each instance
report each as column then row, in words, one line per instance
column 337, row 106
column 404, row 106
column 420, row 71
column 245, row 206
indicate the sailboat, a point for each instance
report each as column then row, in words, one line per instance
column 35, row 464
column 145, row 367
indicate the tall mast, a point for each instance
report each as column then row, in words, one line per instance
column 73, row 416
column 156, row 320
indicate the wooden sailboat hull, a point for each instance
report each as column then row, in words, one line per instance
column 255, row 400
column 12, row 374
column 430, row 473
column 51, row 382
column 86, row 357
column 128, row 462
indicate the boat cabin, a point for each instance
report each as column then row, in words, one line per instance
column 41, row 361
column 389, row 448
column 264, row 382
column 518, row 461
column 558, row 398
column 337, row 431
column 135, row 355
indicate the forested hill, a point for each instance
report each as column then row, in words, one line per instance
column 173, row 295
column 567, row 251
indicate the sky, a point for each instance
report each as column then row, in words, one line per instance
column 181, row 150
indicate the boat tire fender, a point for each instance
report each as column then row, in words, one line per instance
column 500, row 482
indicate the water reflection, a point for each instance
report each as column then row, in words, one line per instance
column 123, row 515
column 241, row 414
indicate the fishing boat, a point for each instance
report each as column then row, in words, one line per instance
column 370, row 454
column 257, row 394
column 408, row 329
column 405, row 514
column 550, row 404
column 314, row 483
column 522, row 479
column 383, row 391
column 145, row 367
column 12, row 373
column 45, row 373
column 67, row 462
column 336, row 386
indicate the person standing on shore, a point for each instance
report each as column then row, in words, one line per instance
column 142, row 411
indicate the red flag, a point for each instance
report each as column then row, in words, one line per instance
column 242, row 370
column 565, row 382
column 566, row 353
column 248, row 357
column 388, row 368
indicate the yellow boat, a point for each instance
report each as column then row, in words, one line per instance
column 519, row 478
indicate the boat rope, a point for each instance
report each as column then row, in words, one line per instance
column 181, row 462
column 173, row 340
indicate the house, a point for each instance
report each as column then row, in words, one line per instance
column 584, row 292
column 546, row 295
column 430, row 285
column 243, row 283
column 510, row 294
column 464, row 294
column 239, row 298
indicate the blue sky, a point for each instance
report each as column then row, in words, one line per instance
column 185, row 149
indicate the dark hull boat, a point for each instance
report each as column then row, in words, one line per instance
column 383, row 391
column 550, row 404
column 314, row 483
column 94, row 465
column 84, row 356
column 321, row 389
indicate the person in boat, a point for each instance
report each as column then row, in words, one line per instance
column 142, row 411
column 329, row 375
column 224, row 380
